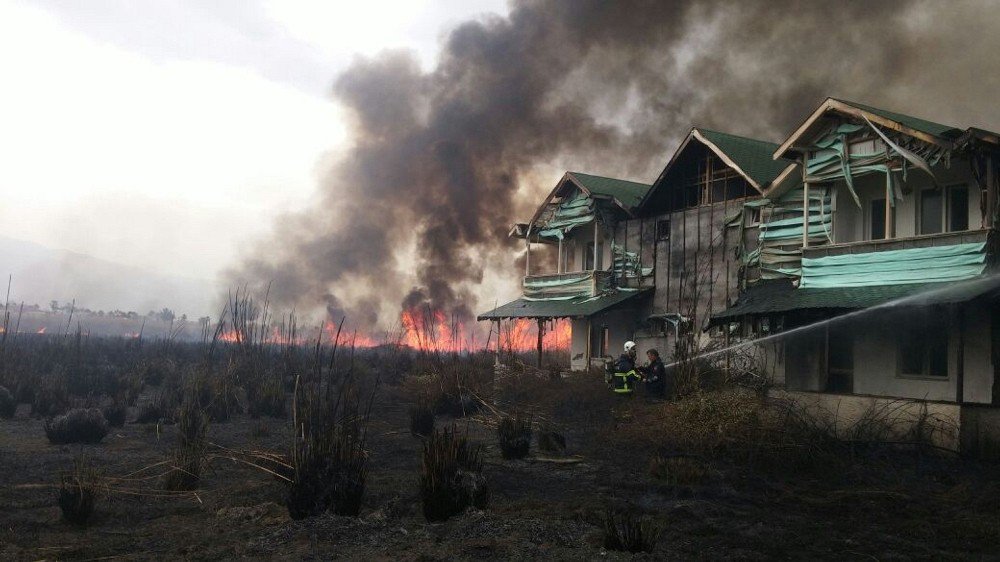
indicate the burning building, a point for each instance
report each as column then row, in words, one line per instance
column 857, row 255
column 876, row 255
column 646, row 262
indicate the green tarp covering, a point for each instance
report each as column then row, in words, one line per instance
column 575, row 211
column 896, row 267
column 627, row 264
column 566, row 286
column 573, row 308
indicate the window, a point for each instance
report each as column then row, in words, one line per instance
column 840, row 359
column 923, row 352
column 605, row 342
column 931, row 211
column 944, row 209
column 663, row 229
column 876, row 219
column 753, row 216
column 588, row 257
column 958, row 208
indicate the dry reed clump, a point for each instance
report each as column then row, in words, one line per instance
column 215, row 393
column 78, row 492
column 683, row 472
column 746, row 428
column 189, row 455
column 8, row 405
column 266, row 397
column 451, row 479
column 421, row 419
column 514, row 436
column 50, row 398
column 115, row 413
column 82, row 425
column 628, row 532
column 329, row 457
column 155, row 370
column 162, row 408
column 551, row 441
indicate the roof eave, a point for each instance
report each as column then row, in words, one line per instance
column 793, row 145
column 726, row 159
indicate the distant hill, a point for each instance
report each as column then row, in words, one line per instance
column 44, row 274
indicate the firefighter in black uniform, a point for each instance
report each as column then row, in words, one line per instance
column 622, row 377
column 655, row 375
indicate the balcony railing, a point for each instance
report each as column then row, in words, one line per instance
column 573, row 283
column 923, row 241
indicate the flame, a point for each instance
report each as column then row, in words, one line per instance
column 521, row 334
column 41, row 330
column 433, row 331
column 428, row 330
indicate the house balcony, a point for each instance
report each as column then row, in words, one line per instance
column 923, row 241
column 937, row 258
column 570, row 284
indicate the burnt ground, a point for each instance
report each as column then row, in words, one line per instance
column 926, row 507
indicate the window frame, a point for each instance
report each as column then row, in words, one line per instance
column 662, row 236
column 946, row 209
column 926, row 334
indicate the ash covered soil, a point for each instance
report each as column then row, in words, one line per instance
column 546, row 506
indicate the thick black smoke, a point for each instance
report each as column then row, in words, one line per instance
column 442, row 162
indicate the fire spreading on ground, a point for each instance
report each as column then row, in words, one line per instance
column 431, row 331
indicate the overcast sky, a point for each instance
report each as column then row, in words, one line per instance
column 169, row 134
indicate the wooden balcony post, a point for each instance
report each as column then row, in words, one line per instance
column 541, row 334
column 559, row 264
column 527, row 252
column 805, row 202
column 888, row 205
column 595, row 243
column 805, row 214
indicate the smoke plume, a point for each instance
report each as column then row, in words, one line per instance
column 443, row 161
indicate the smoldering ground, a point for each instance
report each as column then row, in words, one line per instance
column 442, row 161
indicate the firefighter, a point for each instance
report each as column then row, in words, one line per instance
column 624, row 376
column 655, row 375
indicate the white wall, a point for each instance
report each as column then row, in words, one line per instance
column 977, row 384
column 876, row 358
column 578, row 344
column 851, row 223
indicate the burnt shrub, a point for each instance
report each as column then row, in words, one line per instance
column 266, row 397
column 330, row 459
column 163, row 408
column 217, row 394
column 115, row 413
column 155, row 371
column 678, row 471
column 514, row 436
column 421, row 420
column 192, row 431
column 551, row 441
column 451, row 476
column 7, row 403
column 628, row 532
column 78, row 493
column 82, row 425
column 51, row 399
column 456, row 391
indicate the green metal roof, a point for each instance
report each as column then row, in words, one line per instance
column 754, row 157
column 629, row 193
column 922, row 125
column 578, row 307
column 780, row 296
